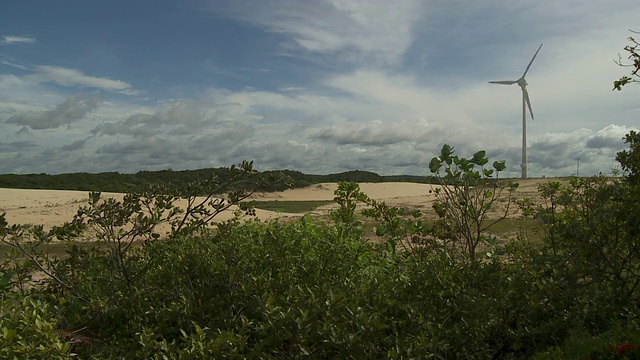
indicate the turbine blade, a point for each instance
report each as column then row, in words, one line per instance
column 526, row 99
column 531, row 62
column 509, row 82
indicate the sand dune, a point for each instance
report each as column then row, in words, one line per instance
column 324, row 191
column 54, row 207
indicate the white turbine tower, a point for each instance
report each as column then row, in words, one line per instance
column 525, row 103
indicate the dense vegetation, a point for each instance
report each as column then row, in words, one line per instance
column 140, row 181
column 317, row 289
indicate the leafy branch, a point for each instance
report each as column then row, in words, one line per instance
column 634, row 63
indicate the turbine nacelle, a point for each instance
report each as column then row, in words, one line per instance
column 523, row 85
column 522, row 82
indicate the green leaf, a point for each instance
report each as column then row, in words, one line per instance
column 464, row 164
column 479, row 158
column 618, row 84
column 499, row 165
column 446, row 152
column 474, row 175
column 8, row 334
column 391, row 248
column 434, row 165
column 451, row 174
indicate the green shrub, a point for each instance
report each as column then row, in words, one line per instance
column 28, row 330
column 310, row 288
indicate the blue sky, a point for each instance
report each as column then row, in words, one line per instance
column 318, row 86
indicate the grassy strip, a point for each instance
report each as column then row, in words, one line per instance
column 503, row 230
column 290, row 206
column 54, row 249
column 511, row 228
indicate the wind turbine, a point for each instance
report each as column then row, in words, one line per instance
column 525, row 103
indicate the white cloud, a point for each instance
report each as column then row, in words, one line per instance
column 292, row 88
column 608, row 137
column 75, row 78
column 378, row 133
column 12, row 64
column 556, row 154
column 17, row 39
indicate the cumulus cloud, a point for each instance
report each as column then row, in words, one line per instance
column 145, row 124
column 285, row 155
column 317, row 134
column 558, row 153
column 162, row 152
column 75, row 78
column 377, row 133
column 178, row 118
column 17, row 39
column 609, row 137
column 73, row 109
column 149, row 147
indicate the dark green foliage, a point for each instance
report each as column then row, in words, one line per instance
column 138, row 182
column 598, row 232
column 630, row 159
column 352, row 176
column 286, row 290
column 283, row 290
column 274, row 288
column 28, row 329
column 308, row 288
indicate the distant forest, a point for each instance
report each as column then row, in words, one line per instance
column 140, row 181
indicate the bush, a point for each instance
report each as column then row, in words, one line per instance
column 309, row 288
column 28, row 329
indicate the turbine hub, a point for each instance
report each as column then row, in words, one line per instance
column 522, row 82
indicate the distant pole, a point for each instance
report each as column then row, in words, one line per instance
column 578, row 168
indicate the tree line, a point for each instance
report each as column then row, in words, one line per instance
column 137, row 182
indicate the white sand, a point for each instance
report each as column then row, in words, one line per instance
column 43, row 207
